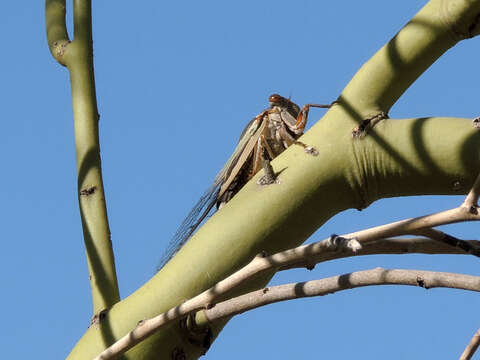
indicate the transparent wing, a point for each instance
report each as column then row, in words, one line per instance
column 194, row 218
column 207, row 202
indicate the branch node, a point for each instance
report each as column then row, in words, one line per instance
column 201, row 336
column 338, row 243
column 368, row 123
column 311, row 150
column 58, row 50
column 98, row 318
column 476, row 123
column 87, row 191
column 421, row 282
column 262, row 254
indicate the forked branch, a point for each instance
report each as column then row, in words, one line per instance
column 77, row 56
column 302, row 256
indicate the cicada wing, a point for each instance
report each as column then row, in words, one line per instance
column 194, row 218
column 250, row 140
column 204, row 206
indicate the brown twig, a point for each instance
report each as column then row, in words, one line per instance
column 450, row 240
column 303, row 256
column 471, row 347
column 379, row 276
column 471, row 200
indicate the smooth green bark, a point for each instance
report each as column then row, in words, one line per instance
column 77, row 56
column 398, row 158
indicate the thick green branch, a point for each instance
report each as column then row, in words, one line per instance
column 78, row 57
column 398, row 158
column 385, row 77
column 280, row 216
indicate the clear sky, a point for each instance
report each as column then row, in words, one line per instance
column 176, row 84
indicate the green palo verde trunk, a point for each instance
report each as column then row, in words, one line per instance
column 396, row 158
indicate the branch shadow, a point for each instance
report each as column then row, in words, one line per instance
column 92, row 160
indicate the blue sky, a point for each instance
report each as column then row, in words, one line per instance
column 176, row 84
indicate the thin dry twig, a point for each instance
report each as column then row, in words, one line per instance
column 378, row 276
column 471, row 347
column 399, row 246
column 471, row 200
column 302, row 256
column 412, row 226
column 468, row 247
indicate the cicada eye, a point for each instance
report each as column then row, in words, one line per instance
column 275, row 98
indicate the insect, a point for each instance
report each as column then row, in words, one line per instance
column 264, row 138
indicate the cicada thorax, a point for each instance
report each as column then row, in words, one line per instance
column 264, row 138
column 281, row 130
column 277, row 136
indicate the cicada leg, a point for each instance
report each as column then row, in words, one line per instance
column 303, row 116
column 265, row 155
column 289, row 139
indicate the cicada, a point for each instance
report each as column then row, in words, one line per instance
column 264, row 138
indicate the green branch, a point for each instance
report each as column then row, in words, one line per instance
column 385, row 77
column 57, row 35
column 397, row 158
column 78, row 57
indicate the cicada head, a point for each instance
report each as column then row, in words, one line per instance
column 278, row 100
column 284, row 103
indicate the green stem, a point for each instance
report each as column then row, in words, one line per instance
column 57, row 35
column 398, row 158
column 384, row 78
column 78, row 57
